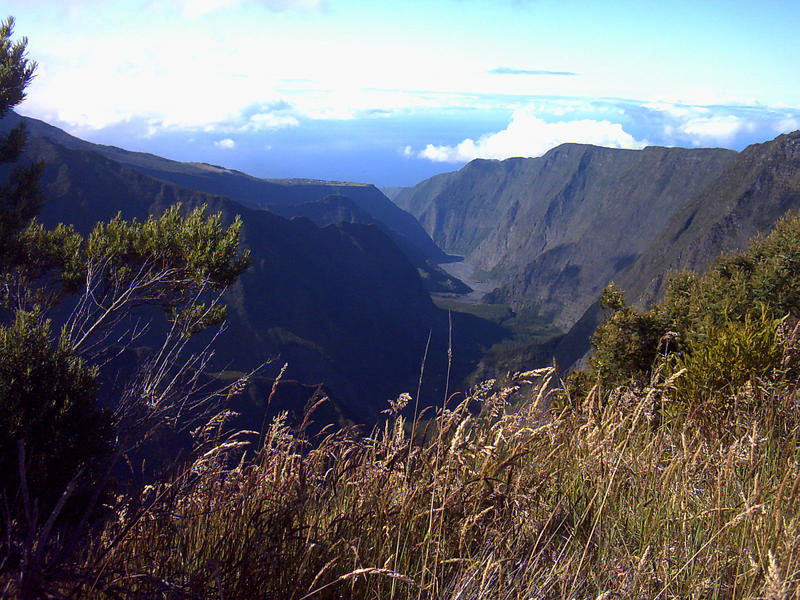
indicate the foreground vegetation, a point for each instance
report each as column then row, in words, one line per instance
column 594, row 500
column 670, row 469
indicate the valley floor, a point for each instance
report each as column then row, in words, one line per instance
column 465, row 271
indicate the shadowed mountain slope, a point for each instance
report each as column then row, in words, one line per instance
column 331, row 209
column 335, row 209
column 254, row 192
column 341, row 304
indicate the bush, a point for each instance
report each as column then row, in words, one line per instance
column 47, row 404
column 719, row 371
column 721, row 327
column 628, row 342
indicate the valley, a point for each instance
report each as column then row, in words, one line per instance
column 554, row 231
column 346, row 283
column 465, row 271
column 325, row 300
column 350, row 316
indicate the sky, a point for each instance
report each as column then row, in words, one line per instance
column 392, row 92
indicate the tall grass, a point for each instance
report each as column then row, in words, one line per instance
column 493, row 497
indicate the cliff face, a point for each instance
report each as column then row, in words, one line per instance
column 556, row 229
column 756, row 189
column 553, row 231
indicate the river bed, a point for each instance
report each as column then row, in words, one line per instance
column 464, row 271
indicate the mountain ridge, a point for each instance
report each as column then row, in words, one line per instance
column 557, row 228
column 340, row 303
column 580, row 216
column 255, row 192
column 746, row 200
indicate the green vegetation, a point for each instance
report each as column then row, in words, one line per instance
column 527, row 326
column 530, row 345
column 595, row 501
column 58, row 447
column 722, row 331
column 47, row 388
column 669, row 471
column 49, row 424
column 495, row 274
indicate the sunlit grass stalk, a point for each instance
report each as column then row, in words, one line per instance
column 501, row 502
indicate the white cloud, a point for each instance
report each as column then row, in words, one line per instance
column 731, row 126
column 226, row 144
column 261, row 121
column 279, row 5
column 719, row 129
column 678, row 111
column 196, row 8
column 528, row 135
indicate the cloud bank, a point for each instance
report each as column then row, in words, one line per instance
column 547, row 122
column 196, row 8
column 512, row 71
column 528, row 135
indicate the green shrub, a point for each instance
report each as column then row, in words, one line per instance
column 717, row 368
column 628, row 342
column 47, row 403
column 721, row 326
column 51, row 430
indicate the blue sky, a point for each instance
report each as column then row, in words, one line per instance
column 393, row 92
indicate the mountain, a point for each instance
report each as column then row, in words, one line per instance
column 553, row 231
column 757, row 188
column 392, row 192
column 280, row 195
column 341, row 303
column 336, row 208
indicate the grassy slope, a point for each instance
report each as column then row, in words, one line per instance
column 591, row 502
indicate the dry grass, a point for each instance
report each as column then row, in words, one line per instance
column 504, row 502
column 494, row 499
